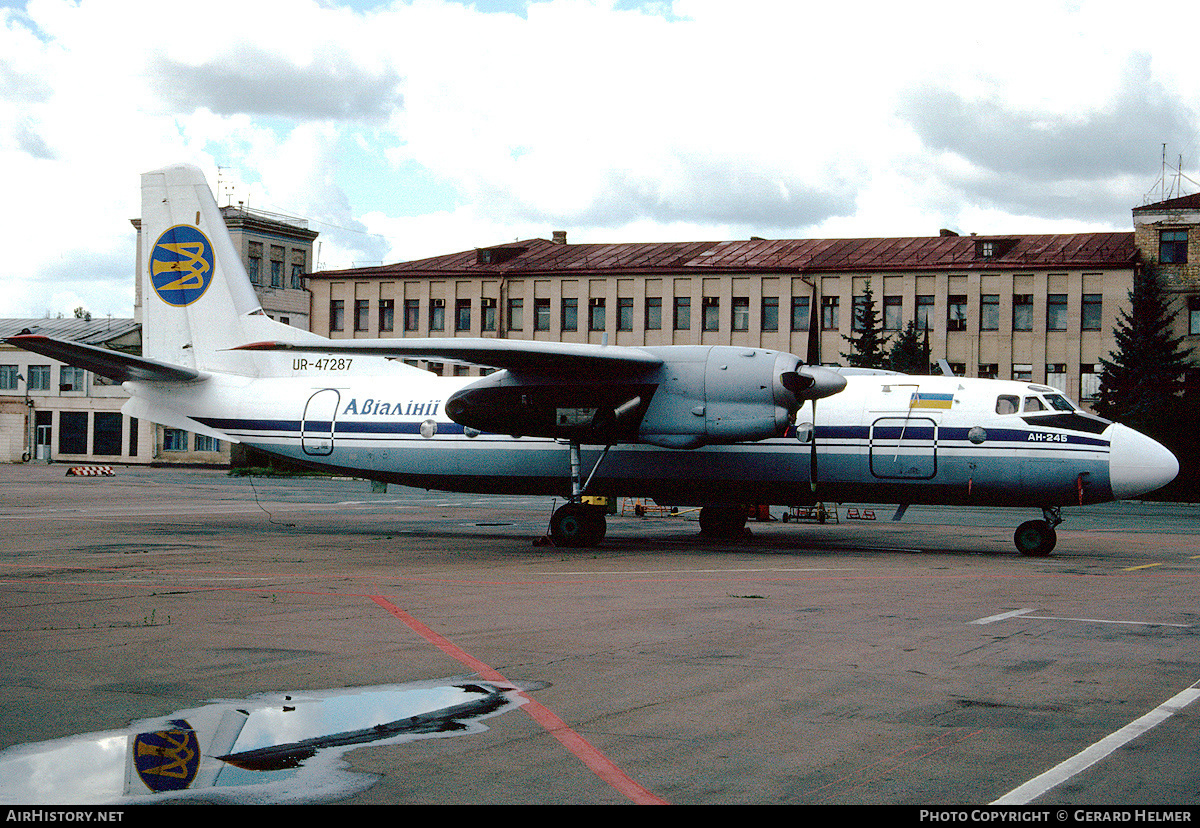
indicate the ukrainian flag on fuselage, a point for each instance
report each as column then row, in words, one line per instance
column 920, row 400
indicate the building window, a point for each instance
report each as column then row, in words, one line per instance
column 276, row 266
column 858, row 321
column 8, row 378
column 489, row 314
column 625, row 313
column 1056, row 314
column 412, row 315
column 174, row 439
column 516, row 314
column 72, row 432
column 1172, row 247
column 298, row 261
column 800, row 313
column 570, row 313
column 39, row 378
column 653, row 313
column 1056, row 375
column 71, row 378
column 924, row 313
column 893, row 313
column 541, row 314
column 712, row 313
column 362, row 314
column 683, row 313
column 337, row 314
column 387, row 314
column 956, row 313
column 1093, row 306
column 106, row 436
column 462, row 314
column 989, row 370
column 1022, row 373
column 989, row 312
column 437, row 314
column 1022, row 312
column 254, row 260
column 740, row 320
column 1089, row 381
column 206, row 443
column 596, row 314
column 829, row 313
column 770, row 314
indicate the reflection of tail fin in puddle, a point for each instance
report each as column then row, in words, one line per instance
column 280, row 757
column 267, row 748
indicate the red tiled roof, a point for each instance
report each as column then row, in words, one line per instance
column 538, row 256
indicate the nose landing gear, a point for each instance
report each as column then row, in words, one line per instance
column 1037, row 538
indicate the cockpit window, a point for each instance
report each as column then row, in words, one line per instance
column 1006, row 404
column 1059, row 403
column 1034, row 404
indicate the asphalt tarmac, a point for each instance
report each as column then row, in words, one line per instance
column 919, row 663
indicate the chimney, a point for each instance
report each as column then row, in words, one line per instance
column 560, row 237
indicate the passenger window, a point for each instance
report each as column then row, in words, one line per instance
column 1007, row 405
column 1034, row 404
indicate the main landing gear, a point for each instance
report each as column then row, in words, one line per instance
column 576, row 523
column 1036, row 538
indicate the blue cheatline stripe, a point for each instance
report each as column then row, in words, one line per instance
column 346, row 427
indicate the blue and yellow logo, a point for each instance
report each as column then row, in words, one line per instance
column 181, row 265
column 167, row 760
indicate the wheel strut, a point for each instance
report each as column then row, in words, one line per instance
column 576, row 523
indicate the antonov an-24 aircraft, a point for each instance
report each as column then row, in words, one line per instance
column 717, row 427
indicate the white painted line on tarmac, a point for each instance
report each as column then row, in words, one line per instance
column 1083, row 760
column 991, row 619
column 686, row 571
column 1024, row 613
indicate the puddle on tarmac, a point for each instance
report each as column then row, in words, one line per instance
column 266, row 749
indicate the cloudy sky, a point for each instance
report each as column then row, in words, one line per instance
column 412, row 128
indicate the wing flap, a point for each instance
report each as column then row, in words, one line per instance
column 519, row 356
column 107, row 363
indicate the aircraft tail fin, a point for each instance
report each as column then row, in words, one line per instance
column 197, row 301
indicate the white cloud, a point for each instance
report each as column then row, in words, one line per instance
column 697, row 119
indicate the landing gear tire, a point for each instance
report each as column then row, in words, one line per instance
column 1035, row 538
column 723, row 521
column 577, row 525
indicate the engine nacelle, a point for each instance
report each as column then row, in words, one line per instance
column 720, row 394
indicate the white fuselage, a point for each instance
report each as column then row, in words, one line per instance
column 885, row 438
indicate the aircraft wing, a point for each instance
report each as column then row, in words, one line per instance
column 519, row 356
column 107, row 363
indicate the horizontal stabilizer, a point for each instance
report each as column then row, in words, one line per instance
column 112, row 364
column 520, row 356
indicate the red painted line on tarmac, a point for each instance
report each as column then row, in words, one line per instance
column 599, row 764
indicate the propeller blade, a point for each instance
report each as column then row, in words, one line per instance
column 812, row 453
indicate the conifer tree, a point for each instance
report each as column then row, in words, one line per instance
column 1141, row 383
column 867, row 347
column 910, row 353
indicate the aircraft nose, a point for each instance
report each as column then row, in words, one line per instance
column 1137, row 464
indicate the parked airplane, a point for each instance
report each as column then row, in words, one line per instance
column 717, row 427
